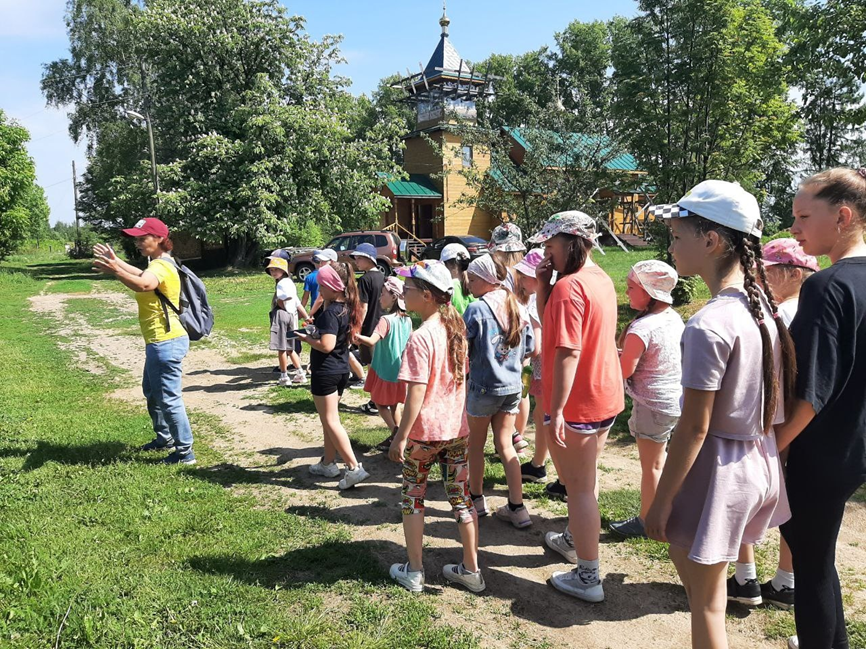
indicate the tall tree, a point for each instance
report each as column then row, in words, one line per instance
column 23, row 210
column 829, row 70
column 700, row 90
column 226, row 84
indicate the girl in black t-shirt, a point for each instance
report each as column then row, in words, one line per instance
column 826, row 430
column 335, row 324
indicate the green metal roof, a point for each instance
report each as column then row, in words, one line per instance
column 418, row 186
column 580, row 145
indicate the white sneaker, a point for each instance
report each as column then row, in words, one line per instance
column 299, row 377
column 326, row 470
column 563, row 544
column 570, row 583
column 793, row 642
column 411, row 580
column 481, row 506
column 284, row 381
column 457, row 574
column 352, row 477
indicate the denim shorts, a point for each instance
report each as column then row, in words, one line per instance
column 646, row 423
column 487, row 405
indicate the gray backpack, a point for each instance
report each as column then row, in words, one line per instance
column 194, row 311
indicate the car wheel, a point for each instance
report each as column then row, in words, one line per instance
column 385, row 268
column 303, row 270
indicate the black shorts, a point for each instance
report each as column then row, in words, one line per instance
column 323, row 385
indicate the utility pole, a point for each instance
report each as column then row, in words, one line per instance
column 75, row 204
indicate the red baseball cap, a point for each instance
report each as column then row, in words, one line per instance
column 147, row 226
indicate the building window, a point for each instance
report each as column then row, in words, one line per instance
column 467, row 156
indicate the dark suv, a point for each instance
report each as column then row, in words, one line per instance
column 476, row 246
column 387, row 246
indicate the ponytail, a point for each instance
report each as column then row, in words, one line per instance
column 514, row 332
column 460, row 264
column 353, row 302
column 746, row 251
column 455, row 330
column 789, row 354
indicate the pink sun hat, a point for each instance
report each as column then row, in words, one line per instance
column 528, row 264
column 787, row 252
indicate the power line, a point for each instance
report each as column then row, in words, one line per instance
column 59, row 182
column 96, row 103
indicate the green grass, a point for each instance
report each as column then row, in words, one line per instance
column 122, row 551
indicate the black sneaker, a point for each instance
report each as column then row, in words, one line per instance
column 385, row 444
column 156, row 445
column 556, row 490
column 370, row 408
column 355, row 383
column 631, row 528
column 779, row 598
column 531, row 473
column 748, row 594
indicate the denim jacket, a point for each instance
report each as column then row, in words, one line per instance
column 493, row 368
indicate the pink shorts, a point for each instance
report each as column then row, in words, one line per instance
column 732, row 494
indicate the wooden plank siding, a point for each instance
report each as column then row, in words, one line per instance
column 463, row 219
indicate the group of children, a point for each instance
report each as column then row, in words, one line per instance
column 707, row 396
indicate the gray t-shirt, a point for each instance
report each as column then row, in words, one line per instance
column 656, row 382
column 722, row 353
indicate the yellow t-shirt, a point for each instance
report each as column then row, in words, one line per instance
column 150, row 314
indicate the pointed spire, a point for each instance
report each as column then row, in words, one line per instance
column 444, row 21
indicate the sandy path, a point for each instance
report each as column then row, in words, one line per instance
column 270, row 452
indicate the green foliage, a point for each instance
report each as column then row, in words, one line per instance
column 700, row 90
column 255, row 135
column 23, row 209
column 829, row 69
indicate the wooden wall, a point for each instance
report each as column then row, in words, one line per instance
column 464, row 219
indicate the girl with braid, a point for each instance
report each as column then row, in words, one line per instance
column 722, row 483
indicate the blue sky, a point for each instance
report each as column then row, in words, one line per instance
column 380, row 37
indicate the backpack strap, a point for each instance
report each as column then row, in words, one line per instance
column 164, row 301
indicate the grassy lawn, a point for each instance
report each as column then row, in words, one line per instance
column 106, row 547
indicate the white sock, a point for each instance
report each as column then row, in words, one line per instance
column 783, row 579
column 284, row 375
column 587, row 571
column 745, row 571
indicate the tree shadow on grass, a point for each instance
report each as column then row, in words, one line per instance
column 335, row 561
column 86, row 454
column 323, row 564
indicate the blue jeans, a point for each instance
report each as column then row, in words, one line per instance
column 162, row 389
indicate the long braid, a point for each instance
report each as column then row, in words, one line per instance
column 789, row 354
column 771, row 383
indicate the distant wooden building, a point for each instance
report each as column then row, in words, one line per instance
column 427, row 205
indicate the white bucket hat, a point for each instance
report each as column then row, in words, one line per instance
column 657, row 278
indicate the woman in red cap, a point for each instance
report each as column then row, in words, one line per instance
column 166, row 341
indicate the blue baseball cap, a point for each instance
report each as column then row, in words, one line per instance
column 365, row 250
column 280, row 254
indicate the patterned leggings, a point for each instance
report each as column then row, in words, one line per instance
column 452, row 458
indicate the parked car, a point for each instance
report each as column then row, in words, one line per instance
column 387, row 251
column 475, row 245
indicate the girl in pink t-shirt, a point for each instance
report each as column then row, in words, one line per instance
column 433, row 428
column 722, row 482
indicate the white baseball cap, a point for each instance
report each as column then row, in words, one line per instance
column 718, row 201
column 431, row 271
column 325, row 255
column 453, row 251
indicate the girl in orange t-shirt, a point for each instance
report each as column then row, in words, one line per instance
column 581, row 386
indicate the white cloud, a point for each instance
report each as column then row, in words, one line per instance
column 32, row 19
